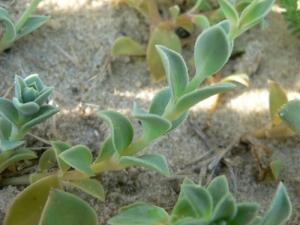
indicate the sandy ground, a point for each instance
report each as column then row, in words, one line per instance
column 71, row 53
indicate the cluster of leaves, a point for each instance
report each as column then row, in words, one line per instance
column 207, row 206
column 162, row 31
column 25, row 25
column 44, row 201
column 18, row 116
column 292, row 14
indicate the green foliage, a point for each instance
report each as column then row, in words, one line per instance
column 212, row 205
column 161, row 32
column 289, row 113
column 292, row 14
column 18, row 116
column 25, row 25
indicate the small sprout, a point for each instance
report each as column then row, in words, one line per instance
column 277, row 99
column 25, row 25
column 212, row 205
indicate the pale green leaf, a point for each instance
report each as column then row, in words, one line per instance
column 106, row 151
column 154, row 126
column 5, row 128
column 59, row 147
column 254, row 13
column 218, row 188
column 126, row 46
column 201, row 21
column 276, row 167
column 27, row 109
column 9, row 112
column 191, row 221
column 33, row 23
column 153, row 162
column 246, row 213
column 120, row 127
column 6, row 145
column 176, row 71
column 224, row 210
column 90, row 186
column 45, row 112
column 167, row 38
column 140, row 5
column 229, row 11
column 212, row 50
column 289, row 113
column 199, row 199
column 16, row 156
column 27, row 207
column 79, row 157
column 174, row 11
column 277, row 98
column 181, row 210
column 63, row 208
column 133, row 205
column 141, row 215
column 47, row 160
column 10, row 31
column 280, row 208
column 188, row 100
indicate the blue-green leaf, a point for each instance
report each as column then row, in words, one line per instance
column 153, row 162
column 218, row 188
column 289, row 113
column 192, row 98
column 199, row 199
column 229, row 11
column 224, row 210
column 141, row 215
column 27, row 109
column 201, row 21
column 79, row 157
column 33, row 23
column 120, row 127
column 9, row 112
column 212, row 50
column 106, row 151
column 280, row 208
column 59, row 147
column 5, row 128
column 176, row 71
column 246, row 213
column 10, row 31
column 6, row 145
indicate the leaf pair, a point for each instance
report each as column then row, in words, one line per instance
column 25, row 25
column 202, row 206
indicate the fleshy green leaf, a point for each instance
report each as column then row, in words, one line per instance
column 6, row 145
column 44, row 94
column 174, row 11
column 212, row 50
column 45, row 112
column 153, row 125
column 10, row 31
column 199, row 199
column 26, row 109
column 141, row 215
column 229, row 11
column 120, row 127
column 34, row 80
column 27, row 207
column 280, row 208
column 167, row 38
column 276, row 167
column 188, row 100
column 140, row 5
column 289, row 113
column 246, row 212
column 254, row 13
column 153, row 162
column 5, row 128
column 191, row 221
column 176, row 71
column 218, row 188
column 59, row 147
column 106, row 151
column 277, row 98
column 16, row 156
column 78, row 157
column 133, row 205
column 90, row 186
column 63, row 208
column 181, row 210
column 224, row 210
column 47, row 160
column 9, row 112
column 33, row 23
column 126, row 46
column 201, row 21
